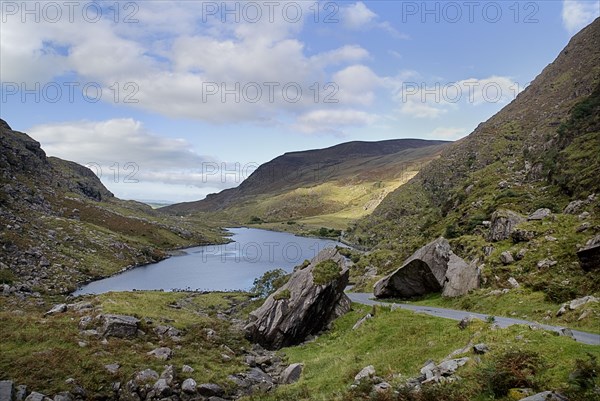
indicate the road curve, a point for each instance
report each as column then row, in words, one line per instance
column 365, row 299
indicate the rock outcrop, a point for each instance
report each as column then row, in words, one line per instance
column 433, row 268
column 503, row 224
column 589, row 256
column 301, row 307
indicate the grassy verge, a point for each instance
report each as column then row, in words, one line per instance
column 42, row 352
column 398, row 343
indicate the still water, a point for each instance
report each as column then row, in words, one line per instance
column 232, row 266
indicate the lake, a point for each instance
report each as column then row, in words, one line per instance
column 232, row 266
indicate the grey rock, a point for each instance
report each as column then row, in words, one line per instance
column 584, row 215
column 506, row 258
column 574, row 207
column 382, row 387
column 545, row 396
column 480, row 348
column 60, row 308
column 162, row 388
column 37, row 397
column 519, row 235
column 521, row 254
column 187, row 369
column 119, row 326
column 309, row 309
column 20, row 393
column 447, row 368
column 589, row 256
column 7, row 390
column 579, row 302
column 513, row 282
column 460, row 277
column 566, row 332
column 189, row 386
column 216, row 399
column 169, row 374
column 365, row 373
column 64, row 396
column 540, row 214
column 503, row 224
column 361, row 321
column 85, row 322
column 292, row 373
column 167, row 331
column 145, row 376
column 433, row 268
column 210, row 389
column 164, row 353
column 113, row 368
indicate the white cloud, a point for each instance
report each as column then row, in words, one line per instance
column 431, row 100
column 357, row 84
column 576, row 14
column 447, row 133
column 357, row 16
column 333, row 121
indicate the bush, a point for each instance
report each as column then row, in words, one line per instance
column 283, row 294
column 6, row 276
column 269, row 282
column 513, row 369
column 325, row 272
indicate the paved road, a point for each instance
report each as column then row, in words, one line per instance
column 365, row 299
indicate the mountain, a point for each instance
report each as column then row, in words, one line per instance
column 60, row 227
column 540, row 151
column 330, row 185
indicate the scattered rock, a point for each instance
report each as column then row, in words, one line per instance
column 539, row 214
column 163, row 353
column 113, row 368
column 589, row 256
column 574, row 207
column 161, row 388
column 361, row 321
column 506, row 258
column 583, row 216
column 37, row 397
column 7, row 390
column 545, row 263
column 189, row 386
column 513, row 282
column 292, row 373
column 60, row 308
column 566, row 332
column 64, row 396
column 480, row 348
column 365, row 373
column 309, row 308
column 521, row 254
column 466, row 321
column 520, row 235
column 210, row 389
column 576, row 304
column 503, row 224
column 119, row 326
column 546, row 396
column 382, row 387
column 187, row 369
column 145, row 376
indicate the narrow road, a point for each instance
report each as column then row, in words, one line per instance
column 365, row 299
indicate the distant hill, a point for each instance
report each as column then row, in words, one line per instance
column 348, row 179
column 60, row 227
column 540, row 151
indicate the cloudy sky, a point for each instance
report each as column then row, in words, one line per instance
column 175, row 100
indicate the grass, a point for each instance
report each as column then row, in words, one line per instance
column 398, row 343
column 325, row 272
column 42, row 352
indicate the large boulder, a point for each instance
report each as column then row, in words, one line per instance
column 312, row 298
column 433, row 268
column 589, row 256
column 119, row 326
column 503, row 224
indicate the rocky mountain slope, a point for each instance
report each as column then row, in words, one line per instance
column 542, row 151
column 328, row 187
column 60, row 227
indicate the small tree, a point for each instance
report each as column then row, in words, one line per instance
column 269, row 282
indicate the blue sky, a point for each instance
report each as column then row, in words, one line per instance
column 185, row 98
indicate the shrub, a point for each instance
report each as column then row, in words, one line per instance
column 325, row 272
column 514, row 368
column 283, row 294
column 269, row 282
column 6, row 276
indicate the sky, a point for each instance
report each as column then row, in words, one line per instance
column 171, row 101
